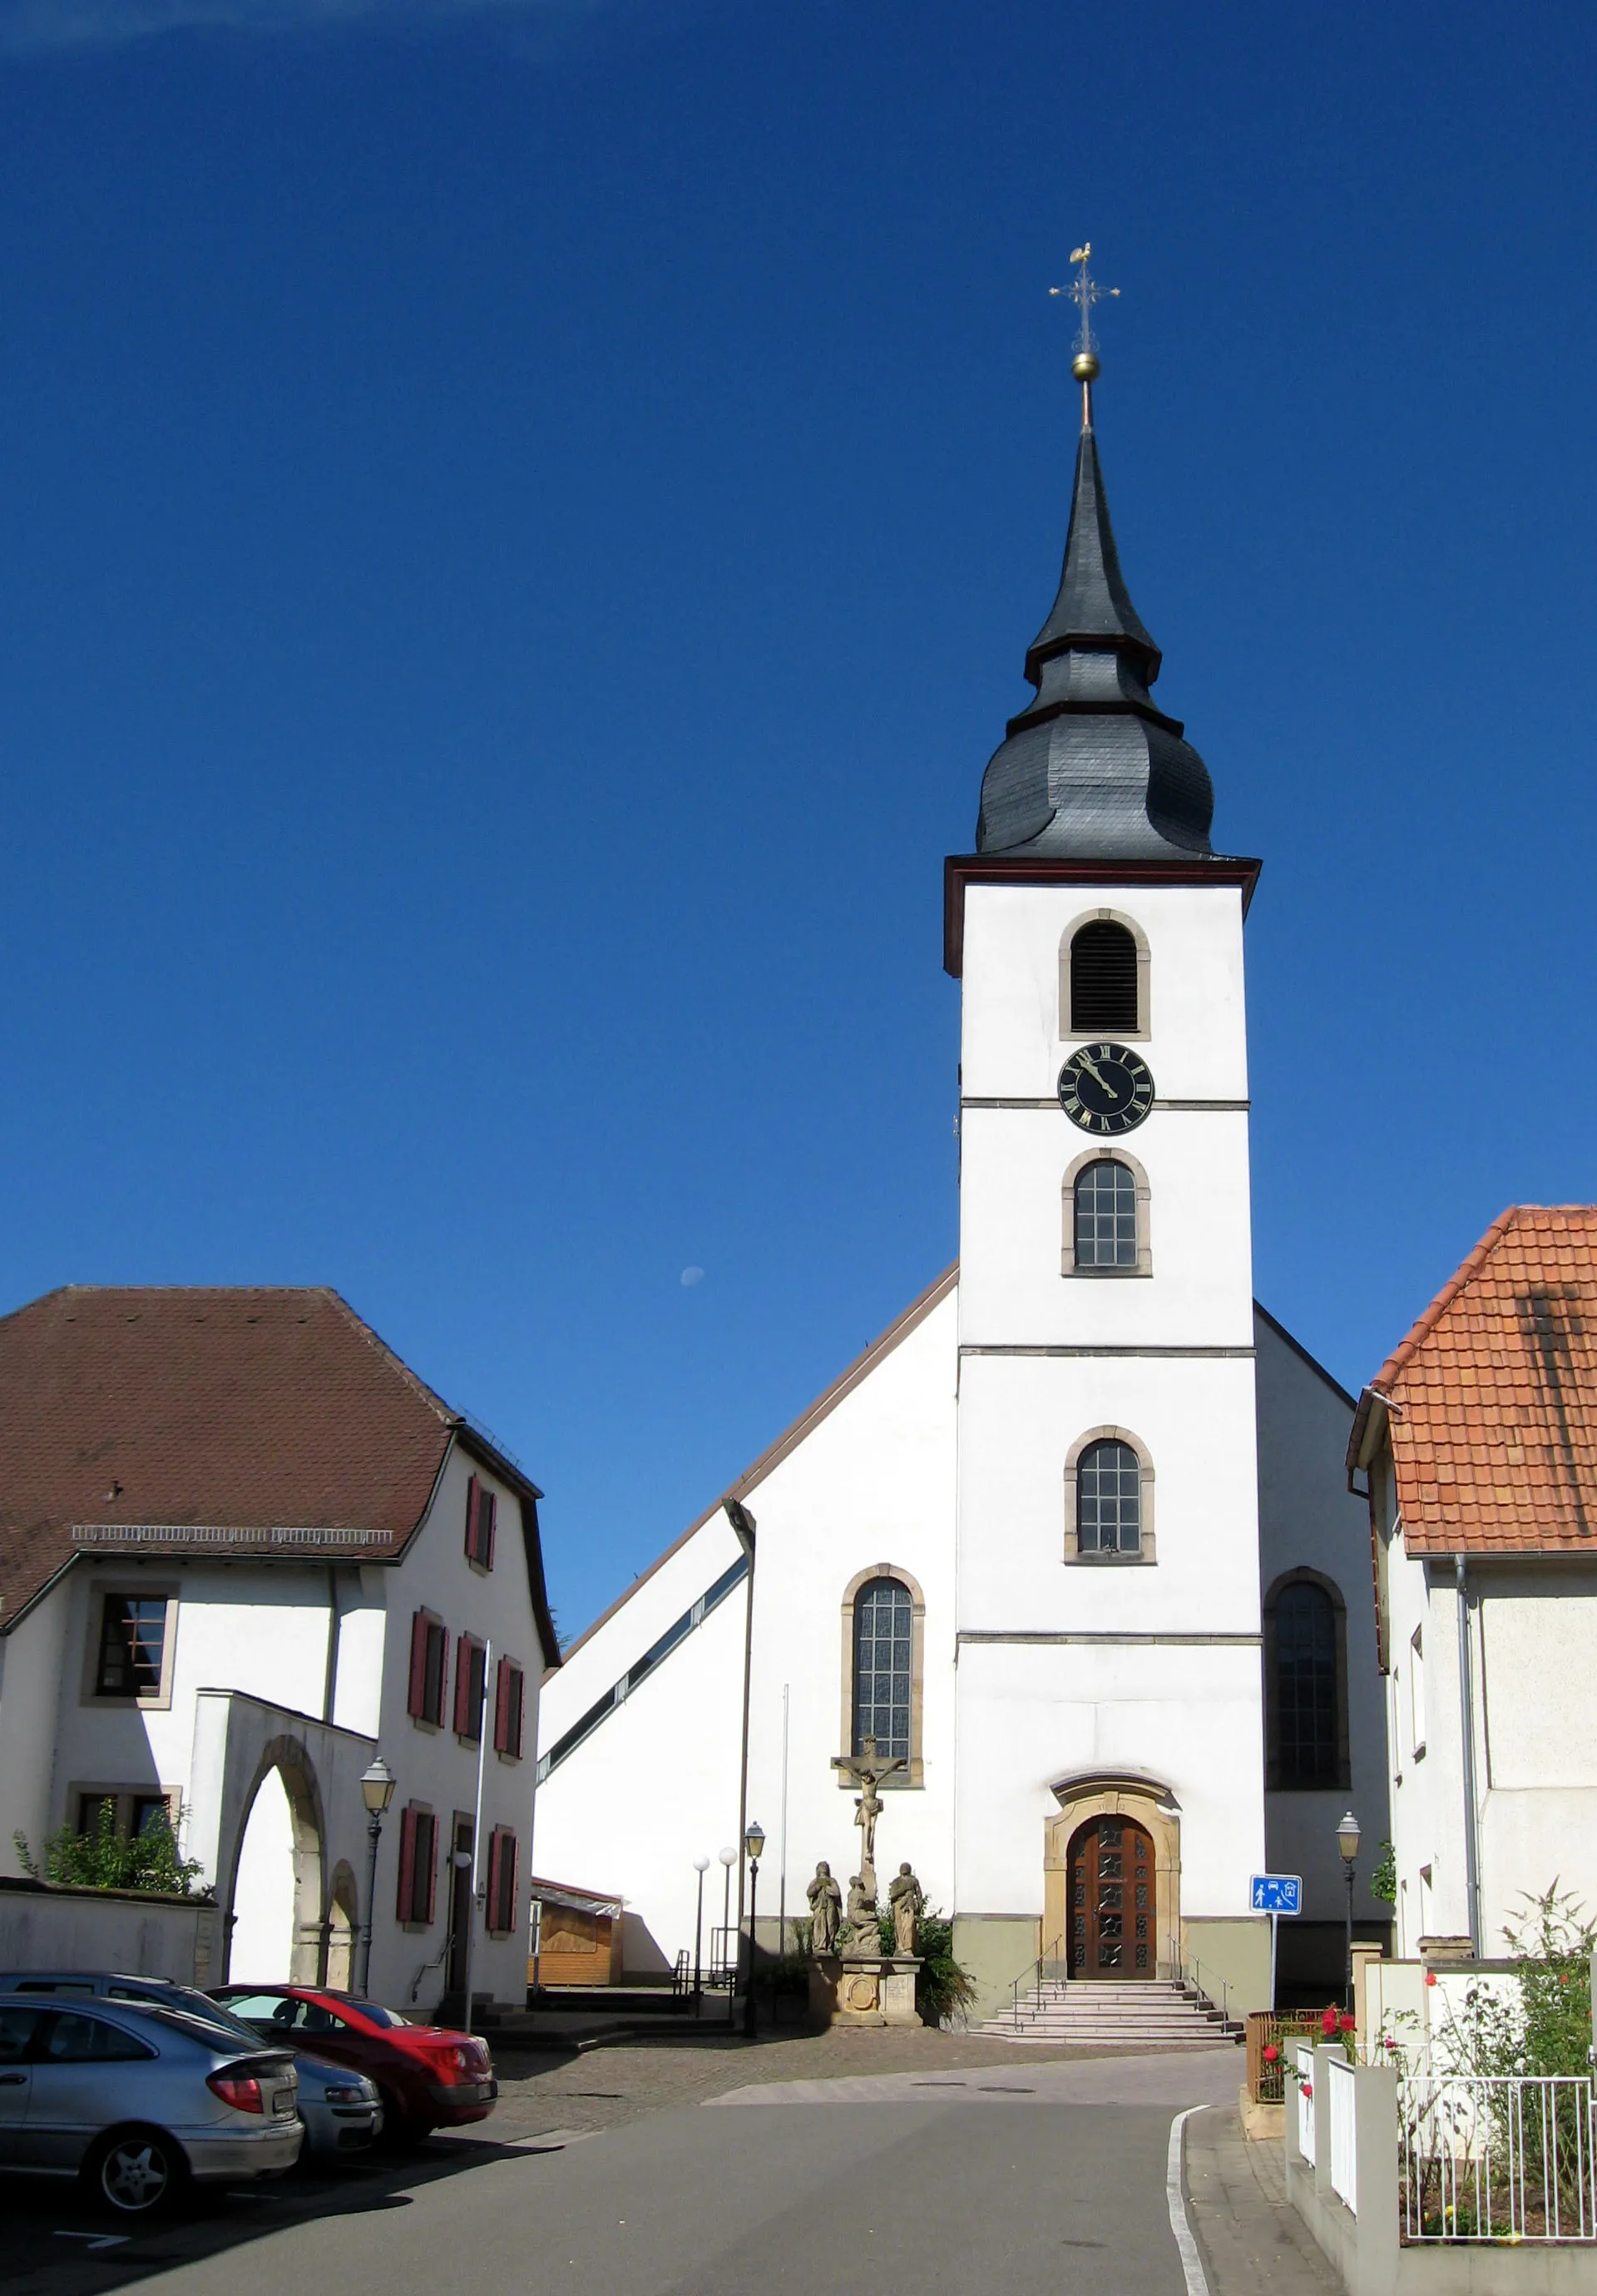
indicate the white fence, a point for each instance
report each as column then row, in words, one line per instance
column 1305, row 2062
column 1343, row 2135
column 1497, row 2159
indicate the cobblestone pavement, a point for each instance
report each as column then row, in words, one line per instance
column 606, row 2087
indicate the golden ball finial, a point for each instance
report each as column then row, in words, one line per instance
column 1084, row 367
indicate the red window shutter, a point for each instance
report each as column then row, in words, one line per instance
column 518, row 1716
column 496, row 1845
column 463, row 1684
column 509, row 1878
column 417, row 1703
column 473, row 1490
column 501, row 1707
column 489, row 1504
column 430, row 1849
column 407, row 1864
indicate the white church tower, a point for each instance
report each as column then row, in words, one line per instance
column 1107, row 1606
column 1070, row 1544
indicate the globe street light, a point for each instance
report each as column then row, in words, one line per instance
column 754, row 1841
column 728, row 1860
column 1348, row 1834
column 700, row 1868
column 376, row 1791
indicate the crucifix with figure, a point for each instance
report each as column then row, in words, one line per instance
column 867, row 1768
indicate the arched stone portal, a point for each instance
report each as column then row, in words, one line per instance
column 1142, row 1803
column 341, row 1928
column 308, row 1950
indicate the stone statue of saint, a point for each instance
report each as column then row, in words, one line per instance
column 826, row 1906
column 908, row 1902
column 859, row 1933
column 867, row 1768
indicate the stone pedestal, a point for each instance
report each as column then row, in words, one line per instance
column 864, row 1988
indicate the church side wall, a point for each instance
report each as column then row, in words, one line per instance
column 1309, row 1520
column 871, row 1487
column 656, row 1784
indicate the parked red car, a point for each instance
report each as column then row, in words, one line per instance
column 428, row 2077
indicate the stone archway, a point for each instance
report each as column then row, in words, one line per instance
column 1148, row 1803
column 342, row 1929
column 288, row 1757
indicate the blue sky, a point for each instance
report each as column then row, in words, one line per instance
column 519, row 528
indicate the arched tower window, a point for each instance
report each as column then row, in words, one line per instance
column 1104, row 978
column 1306, row 1656
column 883, row 1671
column 1106, row 1215
column 1108, row 1499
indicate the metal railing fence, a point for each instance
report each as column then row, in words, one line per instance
column 1497, row 2157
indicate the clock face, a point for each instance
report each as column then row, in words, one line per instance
column 1105, row 1088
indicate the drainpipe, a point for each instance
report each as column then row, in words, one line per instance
column 1466, row 1701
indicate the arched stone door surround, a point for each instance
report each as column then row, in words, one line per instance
column 308, row 1964
column 1143, row 1801
column 342, row 1929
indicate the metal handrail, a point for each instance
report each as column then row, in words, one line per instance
column 1034, row 1968
column 1193, row 1974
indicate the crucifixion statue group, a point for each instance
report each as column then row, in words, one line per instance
column 855, row 1932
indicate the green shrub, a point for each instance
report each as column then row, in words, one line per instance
column 105, row 1859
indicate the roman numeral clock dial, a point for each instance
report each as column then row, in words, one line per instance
column 1105, row 1088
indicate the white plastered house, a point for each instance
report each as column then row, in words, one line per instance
column 243, row 1551
column 1478, row 1442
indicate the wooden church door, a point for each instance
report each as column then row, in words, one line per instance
column 1111, row 1900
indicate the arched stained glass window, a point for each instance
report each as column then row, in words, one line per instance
column 1306, row 1736
column 882, row 1628
column 1108, row 1499
column 1106, row 1215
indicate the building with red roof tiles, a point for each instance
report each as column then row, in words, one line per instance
column 244, row 1551
column 1479, row 1441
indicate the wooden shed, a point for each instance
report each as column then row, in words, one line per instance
column 576, row 1937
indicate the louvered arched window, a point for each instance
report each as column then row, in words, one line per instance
column 1104, row 978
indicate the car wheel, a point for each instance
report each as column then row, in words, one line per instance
column 135, row 2172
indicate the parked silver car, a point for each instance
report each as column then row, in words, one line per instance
column 341, row 2111
column 137, row 2100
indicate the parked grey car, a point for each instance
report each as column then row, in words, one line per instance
column 137, row 2100
column 341, row 2111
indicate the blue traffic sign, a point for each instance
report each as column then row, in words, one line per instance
column 1277, row 1893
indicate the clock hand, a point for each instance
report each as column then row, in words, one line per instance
column 1095, row 1072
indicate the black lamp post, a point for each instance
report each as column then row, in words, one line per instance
column 376, row 1791
column 1348, row 1833
column 754, row 1841
column 700, row 1868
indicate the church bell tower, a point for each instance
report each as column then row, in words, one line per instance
column 1110, row 1755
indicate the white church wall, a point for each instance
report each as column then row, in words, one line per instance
column 1015, row 1217
column 656, row 1784
column 1309, row 1520
column 1195, row 1421
column 1011, row 1040
column 871, row 1485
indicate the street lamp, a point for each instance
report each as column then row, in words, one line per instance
column 700, row 1868
column 1348, row 1833
column 729, row 1859
column 377, row 1784
column 754, row 1841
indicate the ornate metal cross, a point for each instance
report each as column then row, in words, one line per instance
column 1083, row 291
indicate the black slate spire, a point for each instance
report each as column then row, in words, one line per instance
column 1091, row 770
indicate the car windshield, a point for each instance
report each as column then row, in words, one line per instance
column 180, row 2001
column 375, row 2014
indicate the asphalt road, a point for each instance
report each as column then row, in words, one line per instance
column 1024, row 2179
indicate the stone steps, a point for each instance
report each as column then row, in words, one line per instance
column 1154, row 2014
